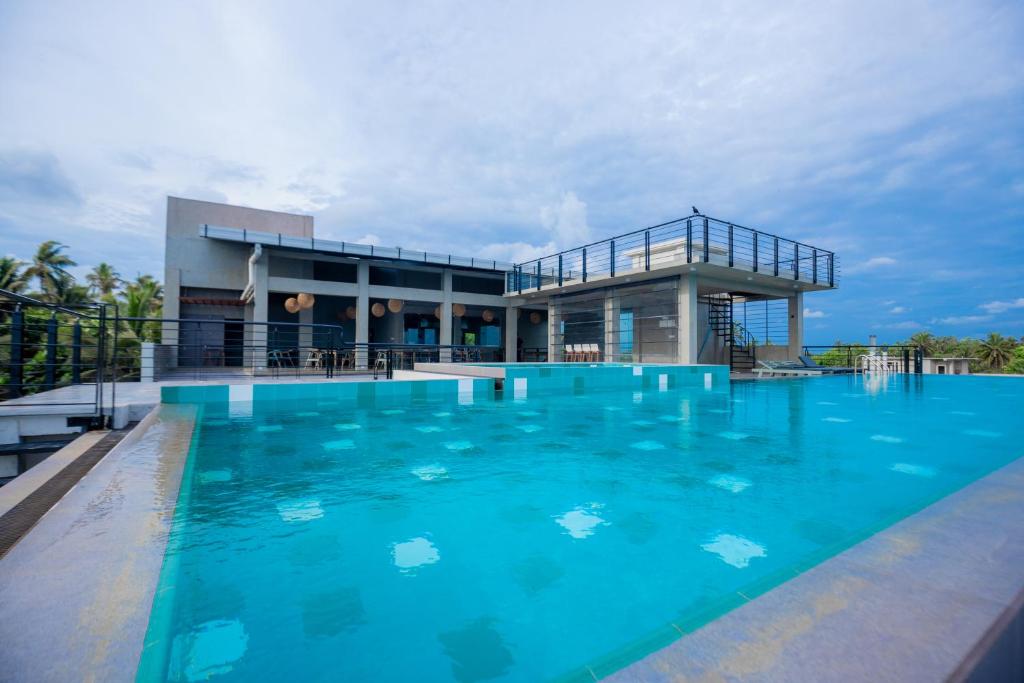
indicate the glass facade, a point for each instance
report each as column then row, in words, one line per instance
column 631, row 323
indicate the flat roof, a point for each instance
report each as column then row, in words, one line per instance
column 353, row 249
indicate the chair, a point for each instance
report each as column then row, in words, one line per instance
column 280, row 359
column 381, row 364
column 314, row 360
column 810, row 364
column 570, row 353
column 784, row 368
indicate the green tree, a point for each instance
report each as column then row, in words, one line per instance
column 1016, row 364
column 995, row 350
column 103, row 279
column 12, row 278
column 64, row 291
column 142, row 299
column 925, row 341
column 50, row 265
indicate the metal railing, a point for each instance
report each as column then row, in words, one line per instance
column 898, row 357
column 695, row 239
column 273, row 239
column 46, row 346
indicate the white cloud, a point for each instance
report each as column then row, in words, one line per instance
column 567, row 221
column 811, row 313
column 962, row 319
column 896, row 310
column 1002, row 306
column 873, row 263
column 459, row 128
column 904, row 325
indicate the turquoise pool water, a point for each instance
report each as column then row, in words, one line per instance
column 537, row 539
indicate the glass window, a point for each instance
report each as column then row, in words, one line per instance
column 626, row 330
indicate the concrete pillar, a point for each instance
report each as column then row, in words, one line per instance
column 796, row 325
column 446, row 316
column 689, row 339
column 305, row 335
column 362, row 312
column 147, row 365
column 611, row 327
column 169, row 333
column 260, row 313
column 555, row 342
column 511, row 334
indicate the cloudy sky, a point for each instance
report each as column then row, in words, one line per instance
column 890, row 132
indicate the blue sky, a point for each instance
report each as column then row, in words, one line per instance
column 892, row 133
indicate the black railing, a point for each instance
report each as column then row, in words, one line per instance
column 46, row 346
column 695, row 239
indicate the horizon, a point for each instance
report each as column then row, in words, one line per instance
column 889, row 135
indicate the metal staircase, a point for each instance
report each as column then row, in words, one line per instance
column 741, row 343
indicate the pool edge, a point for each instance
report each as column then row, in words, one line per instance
column 880, row 610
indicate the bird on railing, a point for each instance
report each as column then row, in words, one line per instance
column 695, row 210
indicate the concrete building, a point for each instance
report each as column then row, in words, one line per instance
column 946, row 366
column 694, row 290
column 230, row 265
column 689, row 291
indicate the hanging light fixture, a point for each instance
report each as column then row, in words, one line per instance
column 305, row 300
column 535, row 318
column 291, row 304
column 487, row 315
column 351, row 312
column 395, row 305
column 437, row 312
column 378, row 310
column 458, row 310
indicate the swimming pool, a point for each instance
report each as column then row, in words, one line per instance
column 541, row 538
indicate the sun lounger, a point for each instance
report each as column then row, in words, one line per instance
column 774, row 368
column 810, row 364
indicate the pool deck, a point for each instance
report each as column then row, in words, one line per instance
column 909, row 603
column 76, row 591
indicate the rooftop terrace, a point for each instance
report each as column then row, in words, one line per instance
column 696, row 241
column 274, row 239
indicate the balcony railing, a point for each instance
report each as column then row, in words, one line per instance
column 695, row 239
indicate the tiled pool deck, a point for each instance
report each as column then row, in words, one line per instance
column 909, row 603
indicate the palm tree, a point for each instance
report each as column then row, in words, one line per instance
column 65, row 292
column 49, row 265
column 924, row 341
column 103, row 279
column 995, row 350
column 141, row 299
column 12, row 278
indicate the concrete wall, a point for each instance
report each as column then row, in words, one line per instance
column 194, row 261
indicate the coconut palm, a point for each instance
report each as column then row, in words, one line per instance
column 49, row 265
column 141, row 299
column 65, row 292
column 12, row 278
column 995, row 350
column 103, row 279
column 924, row 341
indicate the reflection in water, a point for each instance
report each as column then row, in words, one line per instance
column 212, row 648
column 416, row 552
column 477, row 651
column 735, row 550
column 581, row 522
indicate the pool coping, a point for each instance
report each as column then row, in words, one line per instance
column 78, row 589
column 912, row 602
